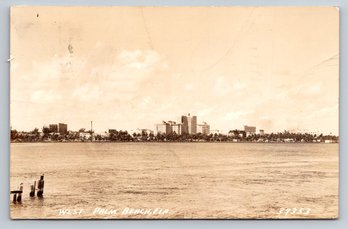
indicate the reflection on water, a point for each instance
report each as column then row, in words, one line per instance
column 190, row 180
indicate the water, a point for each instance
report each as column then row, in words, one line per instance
column 190, row 180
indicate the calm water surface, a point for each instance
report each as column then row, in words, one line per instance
column 191, row 180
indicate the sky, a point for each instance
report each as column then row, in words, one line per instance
column 276, row 68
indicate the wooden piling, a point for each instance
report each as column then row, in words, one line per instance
column 40, row 186
column 19, row 197
column 14, row 198
column 32, row 190
column 17, row 194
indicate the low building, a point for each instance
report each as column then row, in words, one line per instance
column 262, row 132
column 304, row 131
column 63, row 128
column 84, row 136
column 163, row 128
column 203, row 128
column 100, row 136
column 215, row 132
column 250, row 130
column 145, row 131
column 53, row 128
column 177, row 128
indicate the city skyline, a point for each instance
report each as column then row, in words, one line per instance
column 254, row 71
column 203, row 126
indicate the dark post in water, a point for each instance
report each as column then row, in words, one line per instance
column 14, row 198
column 32, row 190
column 19, row 197
column 40, row 186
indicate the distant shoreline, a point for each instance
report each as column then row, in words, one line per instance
column 169, row 142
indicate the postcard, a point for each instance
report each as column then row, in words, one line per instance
column 174, row 112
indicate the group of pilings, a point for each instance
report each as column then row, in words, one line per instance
column 17, row 194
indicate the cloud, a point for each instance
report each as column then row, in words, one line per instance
column 221, row 87
column 45, row 96
column 116, row 82
column 205, row 112
column 87, row 93
column 118, row 77
column 139, row 59
column 237, row 114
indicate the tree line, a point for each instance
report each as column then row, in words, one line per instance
column 124, row 136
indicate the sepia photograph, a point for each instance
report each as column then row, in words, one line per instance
column 201, row 112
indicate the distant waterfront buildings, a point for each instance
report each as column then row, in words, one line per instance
column 163, row 128
column 215, row 131
column 250, row 130
column 203, row 128
column 168, row 131
column 189, row 124
column 53, row 128
column 142, row 131
column 60, row 128
column 85, row 135
column 63, row 128
column 303, row 131
column 177, row 128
